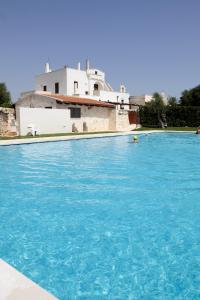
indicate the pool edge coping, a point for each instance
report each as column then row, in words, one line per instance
column 16, row 286
column 80, row 137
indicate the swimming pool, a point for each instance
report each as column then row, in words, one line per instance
column 104, row 218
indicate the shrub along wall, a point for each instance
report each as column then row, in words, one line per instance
column 177, row 116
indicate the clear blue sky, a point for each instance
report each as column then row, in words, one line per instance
column 150, row 45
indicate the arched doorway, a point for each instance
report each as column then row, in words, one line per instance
column 97, row 87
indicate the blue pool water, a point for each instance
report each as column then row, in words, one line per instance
column 104, row 218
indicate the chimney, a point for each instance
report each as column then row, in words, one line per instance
column 79, row 66
column 47, row 68
column 87, row 64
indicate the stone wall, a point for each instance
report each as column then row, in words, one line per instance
column 122, row 121
column 7, row 122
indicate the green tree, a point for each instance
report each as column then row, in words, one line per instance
column 172, row 101
column 191, row 97
column 5, row 98
column 157, row 106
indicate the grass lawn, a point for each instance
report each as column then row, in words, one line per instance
column 168, row 128
column 83, row 133
column 52, row 135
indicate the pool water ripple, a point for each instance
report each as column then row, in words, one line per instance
column 104, row 218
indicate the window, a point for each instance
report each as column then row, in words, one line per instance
column 59, row 102
column 48, row 107
column 56, row 88
column 96, row 72
column 96, row 87
column 75, row 87
column 75, row 112
column 76, row 84
column 44, row 88
column 122, row 106
column 86, row 93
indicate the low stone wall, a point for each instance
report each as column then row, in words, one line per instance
column 7, row 122
column 122, row 121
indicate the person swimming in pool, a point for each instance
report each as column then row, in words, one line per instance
column 198, row 130
column 135, row 139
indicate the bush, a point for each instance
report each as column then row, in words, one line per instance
column 5, row 98
column 177, row 116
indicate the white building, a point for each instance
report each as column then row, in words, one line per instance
column 87, row 83
column 74, row 100
column 142, row 100
column 165, row 97
column 45, row 112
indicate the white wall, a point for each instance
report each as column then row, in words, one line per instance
column 45, row 120
column 86, row 80
column 99, row 76
column 113, row 96
column 35, row 100
column 81, row 77
column 148, row 98
column 49, row 79
column 96, row 118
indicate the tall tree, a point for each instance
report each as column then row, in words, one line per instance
column 172, row 101
column 191, row 97
column 5, row 98
column 157, row 106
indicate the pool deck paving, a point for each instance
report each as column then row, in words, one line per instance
column 15, row 286
column 78, row 137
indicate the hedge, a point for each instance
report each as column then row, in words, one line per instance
column 177, row 116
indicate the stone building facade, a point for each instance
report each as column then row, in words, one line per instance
column 7, row 122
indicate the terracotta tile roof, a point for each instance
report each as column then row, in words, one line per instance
column 78, row 100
